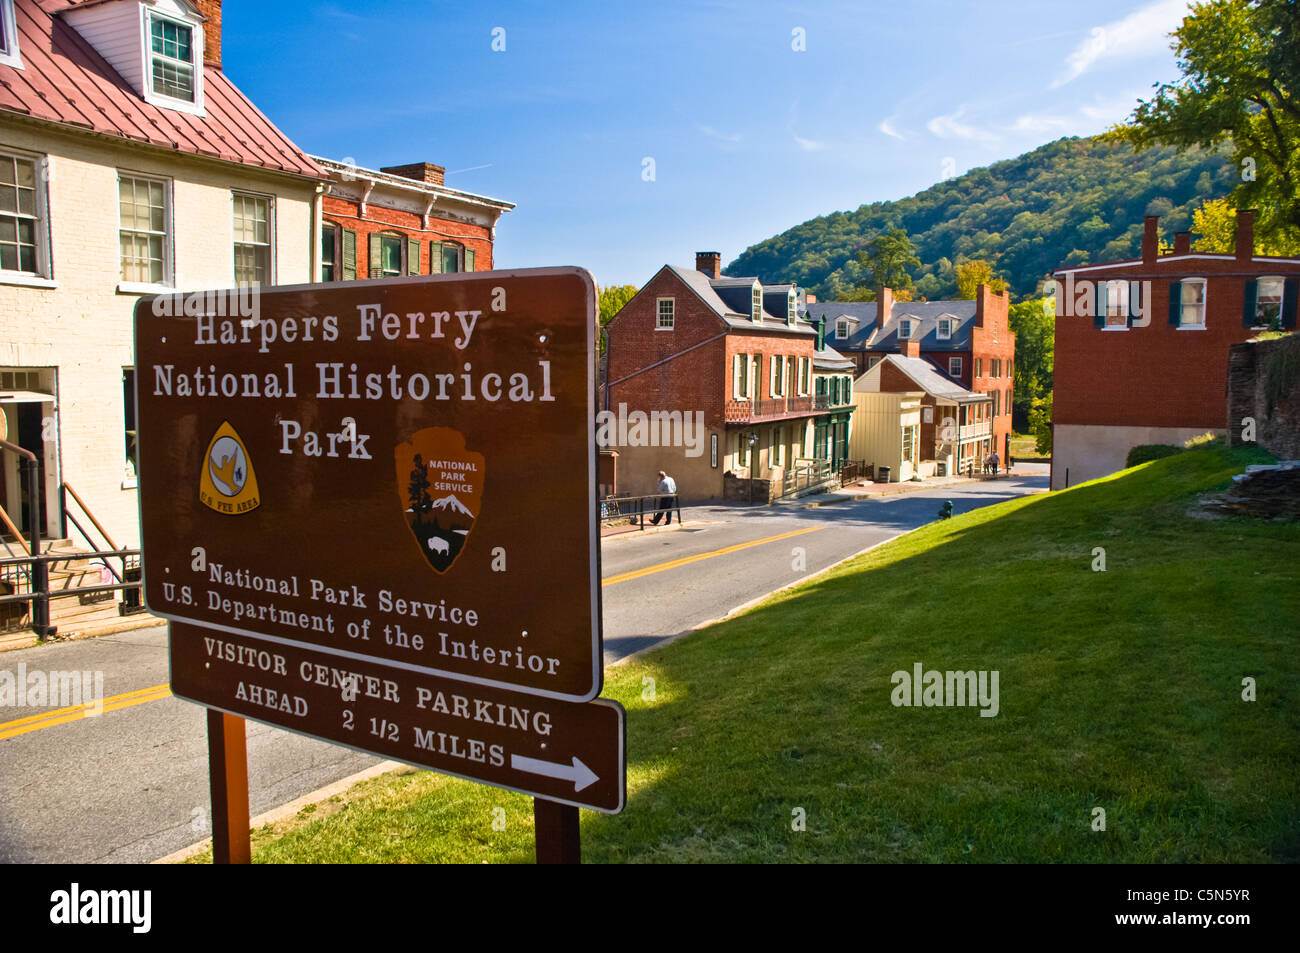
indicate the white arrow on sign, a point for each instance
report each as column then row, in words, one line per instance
column 581, row 775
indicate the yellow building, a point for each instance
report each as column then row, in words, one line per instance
column 887, row 432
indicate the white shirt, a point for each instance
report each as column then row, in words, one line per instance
column 667, row 486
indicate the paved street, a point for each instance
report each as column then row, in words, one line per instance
column 131, row 784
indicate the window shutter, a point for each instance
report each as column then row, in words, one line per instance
column 349, row 254
column 1290, row 294
column 435, row 258
column 1248, row 302
column 1099, row 311
column 412, row 256
column 469, row 259
column 735, row 375
column 1175, row 302
column 376, row 267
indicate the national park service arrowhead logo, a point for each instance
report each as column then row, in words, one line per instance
column 440, row 485
column 228, row 484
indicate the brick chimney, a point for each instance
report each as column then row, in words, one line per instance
column 1150, row 239
column 425, row 172
column 1182, row 243
column 809, row 298
column 1245, row 234
column 884, row 305
column 210, row 10
column 909, row 347
column 983, row 303
column 709, row 262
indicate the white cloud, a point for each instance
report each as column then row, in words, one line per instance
column 719, row 136
column 1142, row 33
column 951, row 127
column 1041, row 123
column 810, row 145
column 887, row 127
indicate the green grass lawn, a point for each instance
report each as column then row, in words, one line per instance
column 1119, row 689
column 1025, row 449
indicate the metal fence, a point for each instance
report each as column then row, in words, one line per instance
column 29, row 577
column 633, row 509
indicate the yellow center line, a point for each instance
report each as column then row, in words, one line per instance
column 686, row 560
column 61, row 716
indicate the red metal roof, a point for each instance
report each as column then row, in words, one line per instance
column 64, row 80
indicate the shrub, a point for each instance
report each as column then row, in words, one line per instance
column 1150, row 451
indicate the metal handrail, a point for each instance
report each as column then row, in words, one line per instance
column 65, row 488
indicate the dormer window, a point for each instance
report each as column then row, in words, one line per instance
column 842, row 329
column 791, row 308
column 756, row 303
column 944, row 329
column 171, row 58
column 9, row 36
column 905, row 329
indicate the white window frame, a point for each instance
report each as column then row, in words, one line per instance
column 1281, row 298
column 659, row 313
column 756, row 303
column 954, row 371
column 9, row 54
column 776, row 363
column 791, row 308
column 147, row 16
column 943, row 329
column 42, row 277
column 776, row 450
column 755, row 375
column 1184, row 324
column 905, row 330
column 169, row 236
column 841, row 329
column 270, row 232
column 740, row 377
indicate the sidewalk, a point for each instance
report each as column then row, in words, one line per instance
column 868, row 490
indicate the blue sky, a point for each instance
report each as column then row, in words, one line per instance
column 749, row 135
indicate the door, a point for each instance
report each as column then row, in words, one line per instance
column 29, row 438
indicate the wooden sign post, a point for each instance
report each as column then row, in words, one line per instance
column 228, row 779
column 369, row 511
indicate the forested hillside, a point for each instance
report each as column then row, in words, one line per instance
column 1070, row 201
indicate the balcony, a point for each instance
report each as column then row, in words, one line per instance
column 778, row 408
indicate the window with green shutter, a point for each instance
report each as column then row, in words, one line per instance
column 348, row 267
column 469, row 259
column 412, row 256
column 435, row 258
column 451, row 260
column 329, row 252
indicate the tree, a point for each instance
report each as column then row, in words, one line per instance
column 1216, row 224
column 1040, row 424
column 887, row 259
column 1240, row 61
column 417, row 492
column 611, row 301
column 972, row 274
column 1034, row 325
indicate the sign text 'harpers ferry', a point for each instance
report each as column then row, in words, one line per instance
column 396, row 471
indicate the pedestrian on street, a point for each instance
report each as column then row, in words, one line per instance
column 667, row 490
column 993, row 463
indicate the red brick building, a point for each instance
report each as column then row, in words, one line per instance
column 968, row 341
column 402, row 220
column 735, row 355
column 1142, row 345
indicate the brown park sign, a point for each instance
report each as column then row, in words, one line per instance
column 561, row 751
column 398, row 472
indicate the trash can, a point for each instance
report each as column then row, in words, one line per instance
column 882, row 474
column 941, row 468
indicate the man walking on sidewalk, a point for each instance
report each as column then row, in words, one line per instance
column 667, row 489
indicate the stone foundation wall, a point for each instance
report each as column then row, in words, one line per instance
column 1264, row 385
